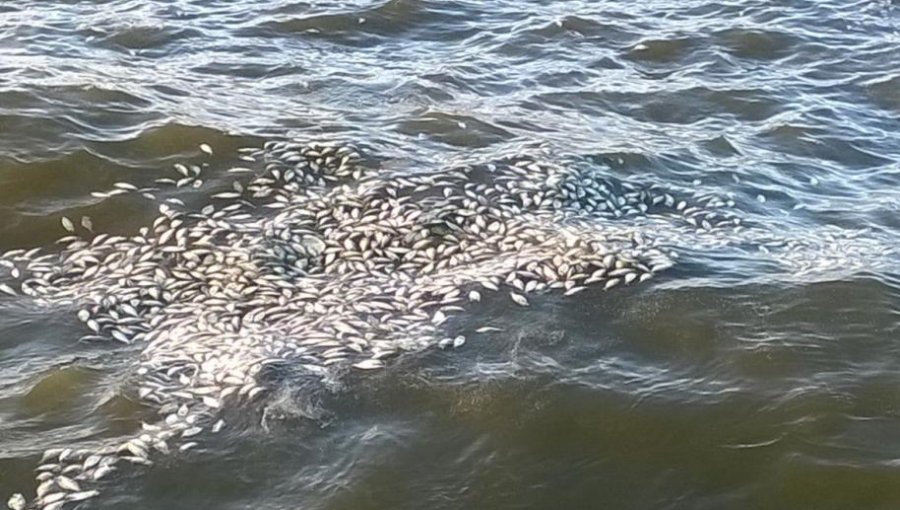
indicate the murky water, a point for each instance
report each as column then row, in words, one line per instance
column 749, row 375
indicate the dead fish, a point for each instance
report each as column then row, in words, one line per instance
column 192, row 431
column 83, row 495
column 518, row 299
column 369, row 364
column 67, row 483
column 16, row 502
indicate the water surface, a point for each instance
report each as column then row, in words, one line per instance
column 743, row 378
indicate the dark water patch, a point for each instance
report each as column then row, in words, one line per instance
column 885, row 92
column 661, row 51
column 58, row 390
column 757, row 44
column 54, row 178
column 68, row 114
column 802, row 481
column 810, row 142
column 38, row 194
column 662, row 107
column 176, row 141
column 596, row 29
column 721, row 146
column 138, row 37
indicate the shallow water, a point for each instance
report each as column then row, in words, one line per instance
column 737, row 379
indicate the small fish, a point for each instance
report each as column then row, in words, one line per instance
column 67, row 483
column 101, row 472
column 90, row 462
column 369, row 364
column 87, row 223
column 44, row 488
column 518, row 299
column 83, row 495
column 193, row 431
column 206, row 148
column 52, row 498
column 121, row 337
column 67, row 224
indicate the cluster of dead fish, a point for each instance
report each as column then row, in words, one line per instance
column 315, row 258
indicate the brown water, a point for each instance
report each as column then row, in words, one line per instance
column 739, row 379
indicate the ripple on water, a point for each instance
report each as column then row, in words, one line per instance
column 662, row 51
column 147, row 37
column 416, row 19
column 817, row 144
column 454, row 129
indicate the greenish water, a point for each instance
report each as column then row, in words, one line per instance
column 744, row 377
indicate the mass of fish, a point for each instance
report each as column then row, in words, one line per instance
column 317, row 258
